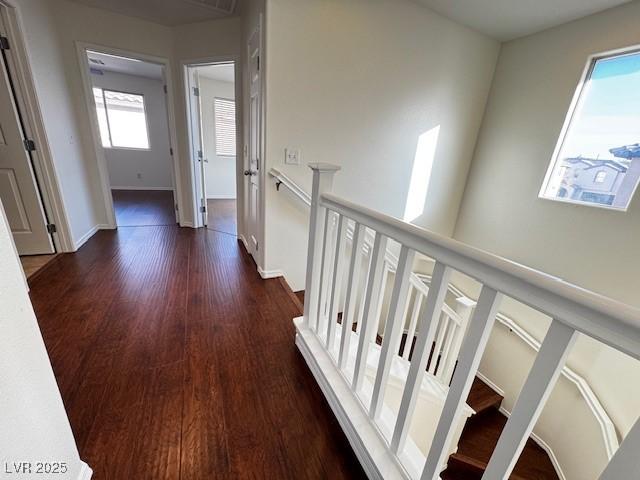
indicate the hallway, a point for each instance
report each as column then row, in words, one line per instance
column 176, row 361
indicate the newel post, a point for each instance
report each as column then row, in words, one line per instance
column 323, row 174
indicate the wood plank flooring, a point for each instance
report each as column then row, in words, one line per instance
column 135, row 208
column 221, row 215
column 177, row 361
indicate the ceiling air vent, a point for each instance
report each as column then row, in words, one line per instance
column 222, row 6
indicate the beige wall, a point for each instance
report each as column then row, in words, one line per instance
column 356, row 83
column 51, row 28
column 535, row 80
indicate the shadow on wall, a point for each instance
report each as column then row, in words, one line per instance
column 421, row 174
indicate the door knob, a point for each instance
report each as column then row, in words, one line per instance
column 249, row 173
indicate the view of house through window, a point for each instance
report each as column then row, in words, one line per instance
column 225, row 125
column 122, row 119
column 598, row 161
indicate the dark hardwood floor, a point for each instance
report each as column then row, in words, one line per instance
column 221, row 216
column 177, row 361
column 136, row 208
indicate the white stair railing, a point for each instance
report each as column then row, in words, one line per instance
column 573, row 310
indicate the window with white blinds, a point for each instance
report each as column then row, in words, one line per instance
column 225, row 118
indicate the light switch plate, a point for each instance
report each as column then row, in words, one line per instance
column 291, row 156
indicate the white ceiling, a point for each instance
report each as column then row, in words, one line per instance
column 509, row 19
column 164, row 12
column 128, row 66
column 222, row 73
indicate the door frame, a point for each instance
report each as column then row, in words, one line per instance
column 193, row 162
column 26, row 98
column 105, row 183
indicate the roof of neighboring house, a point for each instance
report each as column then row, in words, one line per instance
column 628, row 151
column 595, row 163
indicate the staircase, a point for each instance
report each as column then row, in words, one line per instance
column 480, row 437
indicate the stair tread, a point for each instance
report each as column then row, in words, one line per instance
column 482, row 396
column 478, row 440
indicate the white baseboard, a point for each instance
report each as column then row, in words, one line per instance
column 270, row 273
column 186, row 224
column 490, row 383
column 244, row 242
column 542, row 444
column 85, row 471
column 92, row 231
column 222, row 197
column 143, row 188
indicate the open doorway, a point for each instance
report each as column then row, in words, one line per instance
column 212, row 125
column 131, row 110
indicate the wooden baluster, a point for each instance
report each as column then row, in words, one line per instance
column 322, row 183
column 325, row 273
column 453, row 330
column 352, row 292
column 415, row 313
column 540, row 382
column 364, row 290
column 464, row 307
column 369, row 322
column 428, row 325
column 470, row 355
column 625, row 463
column 336, row 283
column 393, row 329
column 437, row 346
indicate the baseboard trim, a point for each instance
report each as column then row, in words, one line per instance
column 85, row 471
column 186, row 224
column 244, row 242
column 543, row 445
column 164, row 189
column 345, row 407
column 222, row 198
column 270, row 273
column 486, row 380
column 92, row 231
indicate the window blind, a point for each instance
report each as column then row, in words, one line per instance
column 225, row 120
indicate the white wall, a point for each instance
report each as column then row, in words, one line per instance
column 220, row 171
column 35, row 426
column 535, row 80
column 154, row 165
column 51, row 28
column 357, row 83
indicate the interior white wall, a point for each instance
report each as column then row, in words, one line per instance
column 154, row 165
column 51, row 28
column 220, row 171
column 35, row 426
column 356, row 84
column 535, row 80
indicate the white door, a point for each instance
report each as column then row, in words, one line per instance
column 18, row 189
column 254, row 161
column 197, row 142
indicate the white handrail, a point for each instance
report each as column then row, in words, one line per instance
column 283, row 179
column 614, row 323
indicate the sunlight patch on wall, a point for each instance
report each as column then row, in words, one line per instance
column 421, row 174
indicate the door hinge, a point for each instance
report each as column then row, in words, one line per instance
column 258, row 66
column 203, row 209
column 176, row 205
column 29, row 145
column 51, row 228
column 196, row 91
column 4, row 43
column 170, row 150
column 164, row 87
column 200, row 155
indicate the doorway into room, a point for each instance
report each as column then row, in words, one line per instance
column 129, row 99
column 213, row 127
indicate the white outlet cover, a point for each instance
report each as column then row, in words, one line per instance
column 291, row 156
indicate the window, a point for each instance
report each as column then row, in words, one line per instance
column 225, row 119
column 597, row 159
column 122, row 119
column 600, row 176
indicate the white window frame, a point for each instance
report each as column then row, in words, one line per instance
column 232, row 101
column 106, row 110
column 601, row 176
column 576, row 102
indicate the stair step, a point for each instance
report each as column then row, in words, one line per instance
column 463, row 467
column 482, row 397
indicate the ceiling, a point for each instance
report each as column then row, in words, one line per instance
column 165, row 12
column 509, row 19
column 222, row 73
column 111, row 63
